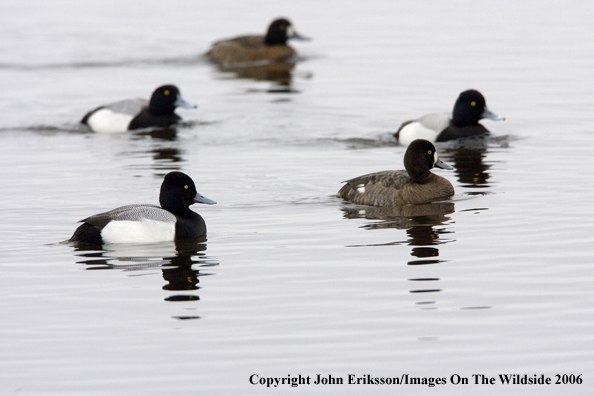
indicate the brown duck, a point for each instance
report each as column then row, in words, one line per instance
column 256, row 48
column 414, row 185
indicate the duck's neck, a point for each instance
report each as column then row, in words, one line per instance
column 159, row 108
column 420, row 178
column 275, row 38
column 464, row 115
column 175, row 207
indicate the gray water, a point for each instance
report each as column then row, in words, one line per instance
column 292, row 280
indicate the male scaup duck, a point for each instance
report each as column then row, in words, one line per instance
column 132, row 114
column 440, row 127
column 143, row 223
column 253, row 48
column 414, row 185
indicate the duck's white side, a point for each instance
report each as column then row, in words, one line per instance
column 116, row 117
column 427, row 127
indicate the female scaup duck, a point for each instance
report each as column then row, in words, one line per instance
column 440, row 127
column 252, row 48
column 143, row 223
column 132, row 114
column 414, row 185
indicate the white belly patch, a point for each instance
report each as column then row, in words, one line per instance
column 427, row 127
column 106, row 121
column 143, row 231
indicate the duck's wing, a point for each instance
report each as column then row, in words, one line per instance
column 436, row 122
column 145, row 119
column 377, row 189
column 128, row 106
column 252, row 40
column 131, row 213
column 389, row 179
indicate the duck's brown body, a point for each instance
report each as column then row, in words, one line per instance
column 246, row 49
column 394, row 188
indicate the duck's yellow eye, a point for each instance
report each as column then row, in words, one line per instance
column 429, row 152
column 166, row 93
column 282, row 27
column 473, row 103
column 186, row 187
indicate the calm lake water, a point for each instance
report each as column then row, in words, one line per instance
column 293, row 281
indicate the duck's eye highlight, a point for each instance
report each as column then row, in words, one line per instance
column 473, row 103
column 186, row 187
column 166, row 93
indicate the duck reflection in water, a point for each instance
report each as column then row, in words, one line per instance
column 278, row 72
column 182, row 264
column 468, row 159
column 418, row 220
column 421, row 223
column 165, row 157
column 166, row 134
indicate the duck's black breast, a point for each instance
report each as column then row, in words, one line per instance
column 190, row 227
column 454, row 132
column 146, row 119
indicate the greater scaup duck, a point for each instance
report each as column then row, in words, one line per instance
column 440, row 127
column 253, row 48
column 143, row 223
column 138, row 113
column 414, row 185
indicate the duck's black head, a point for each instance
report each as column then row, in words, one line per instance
column 469, row 108
column 420, row 158
column 165, row 99
column 178, row 192
column 279, row 31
